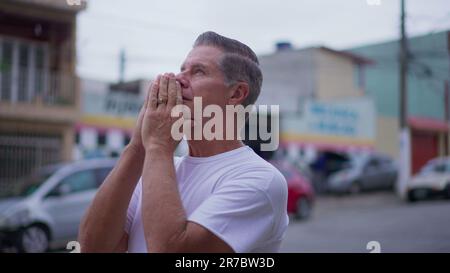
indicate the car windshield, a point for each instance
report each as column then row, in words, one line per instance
column 28, row 185
column 356, row 161
column 436, row 167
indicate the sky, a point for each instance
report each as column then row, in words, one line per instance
column 157, row 34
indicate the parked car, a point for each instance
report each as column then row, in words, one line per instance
column 300, row 191
column 325, row 164
column 432, row 180
column 45, row 209
column 364, row 172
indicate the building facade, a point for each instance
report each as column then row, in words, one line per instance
column 39, row 89
column 320, row 93
column 427, row 92
column 108, row 116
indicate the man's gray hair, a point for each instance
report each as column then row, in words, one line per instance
column 239, row 63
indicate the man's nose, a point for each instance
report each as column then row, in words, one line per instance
column 183, row 81
column 185, row 86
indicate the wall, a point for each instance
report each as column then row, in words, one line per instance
column 429, row 68
column 288, row 79
column 335, row 76
column 386, row 140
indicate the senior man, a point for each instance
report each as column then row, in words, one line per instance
column 222, row 197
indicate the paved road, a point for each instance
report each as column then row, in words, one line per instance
column 348, row 223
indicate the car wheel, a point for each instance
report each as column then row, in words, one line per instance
column 420, row 194
column 303, row 209
column 33, row 239
column 355, row 188
column 447, row 191
column 411, row 196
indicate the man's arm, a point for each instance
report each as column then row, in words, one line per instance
column 102, row 228
column 166, row 228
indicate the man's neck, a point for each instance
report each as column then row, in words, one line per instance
column 204, row 148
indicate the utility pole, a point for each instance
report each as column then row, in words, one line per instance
column 122, row 61
column 404, row 135
column 447, row 114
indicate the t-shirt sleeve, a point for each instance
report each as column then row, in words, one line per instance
column 132, row 207
column 241, row 212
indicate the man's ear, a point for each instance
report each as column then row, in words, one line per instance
column 239, row 93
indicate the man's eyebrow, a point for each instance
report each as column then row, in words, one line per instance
column 199, row 65
column 194, row 65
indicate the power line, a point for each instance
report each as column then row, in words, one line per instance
column 146, row 25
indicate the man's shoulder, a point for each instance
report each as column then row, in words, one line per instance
column 256, row 164
column 260, row 174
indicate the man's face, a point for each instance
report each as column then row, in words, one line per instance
column 201, row 76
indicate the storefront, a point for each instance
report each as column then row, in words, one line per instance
column 106, row 123
column 429, row 139
column 346, row 125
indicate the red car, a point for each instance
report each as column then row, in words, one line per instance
column 300, row 191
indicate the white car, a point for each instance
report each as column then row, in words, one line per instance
column 432, row 180
column 46, row 208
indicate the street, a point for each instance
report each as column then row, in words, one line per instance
column 348, row 223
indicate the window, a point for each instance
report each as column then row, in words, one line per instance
column 24, row 65
column 101, row 139
column 373, row 163
column 440, row 168
column 77, row 138
column 23, row 69
column 6, row 69
column 80, row 181
column 447, row 166
column 384, row 161
column 41, row 71
column 434, row 167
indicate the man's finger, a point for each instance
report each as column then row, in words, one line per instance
column 153, row 94
column 179, row 93
column 163, row 85
column 172, row 92
column 147, row 96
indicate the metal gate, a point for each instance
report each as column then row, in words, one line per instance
column 424, row 147
column 21, row 154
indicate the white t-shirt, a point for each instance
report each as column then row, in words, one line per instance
column 236, row 195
